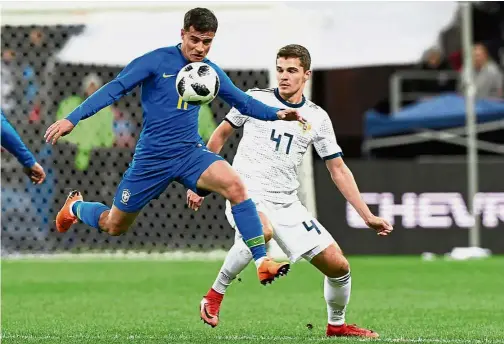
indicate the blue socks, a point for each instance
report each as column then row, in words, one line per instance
column 245, row 216
column 89, row 212
column 250, row 227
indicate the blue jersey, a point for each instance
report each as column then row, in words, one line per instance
column 170, row 126
column 13, row 143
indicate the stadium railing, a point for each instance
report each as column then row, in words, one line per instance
column 396, row 82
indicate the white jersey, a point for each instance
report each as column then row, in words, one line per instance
column 270, row 152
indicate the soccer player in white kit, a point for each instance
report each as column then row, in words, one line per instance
column 267, row 159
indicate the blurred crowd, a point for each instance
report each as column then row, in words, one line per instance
column 37, row 89
column 441, row 66
column 488, row 49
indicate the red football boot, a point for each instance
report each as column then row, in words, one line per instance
column 349, row 331
column 210, row 306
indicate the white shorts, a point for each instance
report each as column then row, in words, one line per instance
column 295, row 229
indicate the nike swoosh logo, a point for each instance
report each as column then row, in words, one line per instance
column 206, row 312
column 168, row 75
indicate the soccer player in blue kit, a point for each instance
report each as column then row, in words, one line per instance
column 169, row 148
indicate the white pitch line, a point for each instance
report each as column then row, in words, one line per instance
column 119, row 256
column 134, row 337
column 215, row 255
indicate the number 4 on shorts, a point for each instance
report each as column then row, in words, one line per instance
column 313, row 226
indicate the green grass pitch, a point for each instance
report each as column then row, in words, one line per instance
column 124, row 301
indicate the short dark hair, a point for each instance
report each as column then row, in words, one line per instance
column 296, row 50
column 201, row 19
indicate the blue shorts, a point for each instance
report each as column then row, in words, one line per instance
column 141, row 184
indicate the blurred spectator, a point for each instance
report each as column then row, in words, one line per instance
column 432, row 60
column 487, row 76
column 32, row 73
column 36, row 38
column 94, row 132
column 124, row 129
column 487, row 27
column 8, row 74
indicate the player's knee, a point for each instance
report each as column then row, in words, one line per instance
column 236, row 191
column 344, row 266
column 339, row 267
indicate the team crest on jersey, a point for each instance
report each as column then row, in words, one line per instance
column 125, row 196
column 306, row 127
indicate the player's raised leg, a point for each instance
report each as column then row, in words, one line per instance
column 139, row 185
column 337, row 286
column 237, row 259
column 220, row 177
column 112, row 221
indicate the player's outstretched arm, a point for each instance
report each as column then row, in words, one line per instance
column 247, row 105
column 132, row 75
column 344, row 180
column 12, row 142
column 219, row 137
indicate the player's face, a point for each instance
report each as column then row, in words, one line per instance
column 291, row 76
column 195, row 44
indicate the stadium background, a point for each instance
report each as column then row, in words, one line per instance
column 143, row 287
column 36, row 79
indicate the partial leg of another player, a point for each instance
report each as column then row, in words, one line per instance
column 220, row 177
column 236, row 261
column 112, row 221
column 337, row 286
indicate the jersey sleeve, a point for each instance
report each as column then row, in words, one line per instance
column 235, row 117
column 132, row 75
column 325, row 140
column 242, row 101
column 12, row 142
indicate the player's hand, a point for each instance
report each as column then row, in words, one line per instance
column 290, row 115
column 193, row 200
column 36, row 173
column 381, row 226
column 58, row 129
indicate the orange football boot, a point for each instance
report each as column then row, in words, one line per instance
column 65, row 219
column 269, row 270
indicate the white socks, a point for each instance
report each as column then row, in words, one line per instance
column 336, row 290
column 337, row 295
column 259, row 261
column 237, row 259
